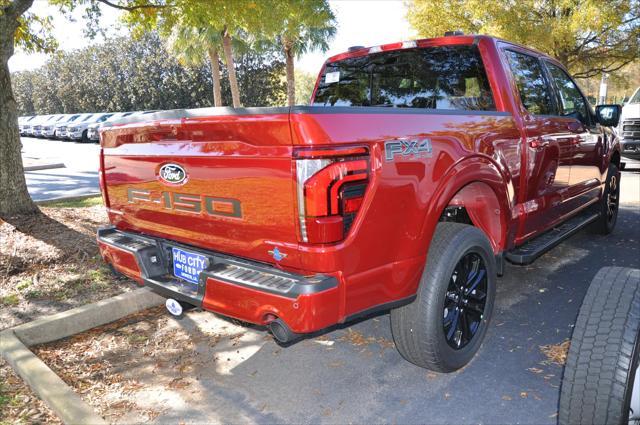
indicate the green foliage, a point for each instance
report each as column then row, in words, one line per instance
column 305, row 83
column 9, row 300
column 190, row 45
column 588, row 36
column 34, row 34
column 124, row 74
column 298, row 25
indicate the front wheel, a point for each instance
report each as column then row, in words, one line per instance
column 444, row 327
column 609, row 203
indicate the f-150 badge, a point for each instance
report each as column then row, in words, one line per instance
column 407, row 148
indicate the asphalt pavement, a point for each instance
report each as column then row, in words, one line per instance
column 78, row 177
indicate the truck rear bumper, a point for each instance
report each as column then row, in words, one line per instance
column 234, row 287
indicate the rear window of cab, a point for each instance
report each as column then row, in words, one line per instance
column 444, row 77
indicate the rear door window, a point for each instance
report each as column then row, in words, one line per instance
column 447, row 77
column 532, row 85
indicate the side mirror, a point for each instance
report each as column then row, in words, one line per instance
column 608, row 115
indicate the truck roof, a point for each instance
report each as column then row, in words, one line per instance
column 424, row 42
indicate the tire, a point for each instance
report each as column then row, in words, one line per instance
column 420, row 329
column 84, row 138
column 603, row 357
column 609, row 203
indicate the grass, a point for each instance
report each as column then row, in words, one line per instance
column 74, row 203
column 24, row 284
column 11, row 299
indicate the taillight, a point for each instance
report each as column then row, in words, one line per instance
column 331, row 184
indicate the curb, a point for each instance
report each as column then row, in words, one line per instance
column 59, row 396
column 44, row 167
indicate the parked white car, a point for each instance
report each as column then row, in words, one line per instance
column 23, row 122
column 80, row 129
column 36, row 129
column 93, row 132
column 62, row 130
column 49, row 128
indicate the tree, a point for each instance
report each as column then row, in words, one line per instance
column 125, row 74
column 23, row 92
column 230, row 18
column 15, row 27
column 188, row 44
column 300, row 26
column 305, row 83
column 588, row 36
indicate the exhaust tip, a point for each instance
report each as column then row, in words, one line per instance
column 281, row 332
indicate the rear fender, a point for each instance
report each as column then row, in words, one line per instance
column 478, row 185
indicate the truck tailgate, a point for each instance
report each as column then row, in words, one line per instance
column 213, row 179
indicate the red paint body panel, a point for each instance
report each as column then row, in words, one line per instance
column 305, row 314
column 482, row 161
column 124, row 261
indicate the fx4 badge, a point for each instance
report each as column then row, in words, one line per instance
column 407, row 148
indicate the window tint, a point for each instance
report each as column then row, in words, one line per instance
column 532, row 86
column 449, row 77
column 572, row 104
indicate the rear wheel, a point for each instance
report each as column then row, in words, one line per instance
column 601, row 383
column 444, row 327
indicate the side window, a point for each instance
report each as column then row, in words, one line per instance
column 532, row 86
column 572, row 104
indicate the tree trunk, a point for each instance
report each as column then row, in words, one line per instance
column 228, row 55
column 14, row 197
column 291, row 79
column 214, row 59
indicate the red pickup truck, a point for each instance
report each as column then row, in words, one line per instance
column 418, row 170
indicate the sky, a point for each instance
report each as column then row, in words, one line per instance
column 359, row 22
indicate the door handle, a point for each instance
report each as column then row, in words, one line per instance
column 538, row 143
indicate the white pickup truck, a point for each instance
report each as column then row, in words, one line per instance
column 630, row 127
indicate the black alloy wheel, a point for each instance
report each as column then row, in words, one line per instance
column 613, row 196
column 609, row 203
column 465, row 301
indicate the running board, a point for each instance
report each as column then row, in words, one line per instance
column 530, row 250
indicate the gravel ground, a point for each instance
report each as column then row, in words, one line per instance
column 48, row 263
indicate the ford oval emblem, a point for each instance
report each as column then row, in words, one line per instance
column 172, row 174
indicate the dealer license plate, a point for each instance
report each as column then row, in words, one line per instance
column 188, row 265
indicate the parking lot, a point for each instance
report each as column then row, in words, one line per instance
column 79, row 176
column 205, row 368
